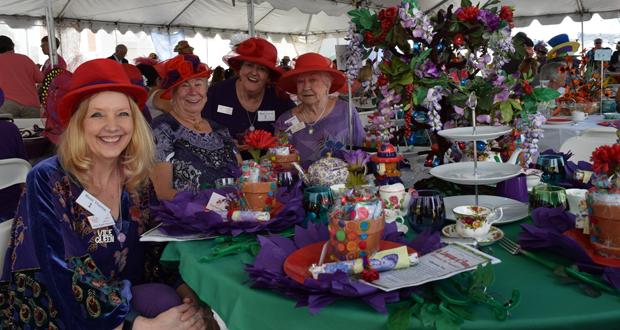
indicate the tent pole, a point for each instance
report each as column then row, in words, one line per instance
column 250, row 6
column 51, row 39
column 582, row 36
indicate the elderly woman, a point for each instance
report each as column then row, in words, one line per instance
column 318, row 118
column 248, row 101
column 191, row 152
column 74, row 259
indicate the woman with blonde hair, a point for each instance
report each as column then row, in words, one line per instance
column 74, row 260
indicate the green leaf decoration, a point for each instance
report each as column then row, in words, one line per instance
column 419, row 95
column 545, row 94
column 515, row 104
column 445, row 322
column 589, row 290
column 367, row 20
column 465, row 3
column 506, row 112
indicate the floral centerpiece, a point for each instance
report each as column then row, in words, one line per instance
column 604, row 201
column 258, row 184
column 582, row 91
column 356, row 161
column 283, row 154
column 440, row 69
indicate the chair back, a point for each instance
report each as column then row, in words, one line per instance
column 13, row 171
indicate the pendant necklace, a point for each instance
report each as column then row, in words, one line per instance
column 252, row 128
column 120, row 235
column 311, row 126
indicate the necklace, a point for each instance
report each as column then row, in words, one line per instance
column 311, row 125
column 194, row 124
column 252, row 128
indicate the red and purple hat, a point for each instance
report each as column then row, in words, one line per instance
column 93, row 77
column 255, row 50
column 308, row 63
column 1, row 97
column 386, row 154
column 179, row 69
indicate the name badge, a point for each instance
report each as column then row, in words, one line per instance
column 217, row 202
column 266, row 115
column 92, row 204
column 224, row 109
column 292, row 121
column 100, row 222
column 297, row 127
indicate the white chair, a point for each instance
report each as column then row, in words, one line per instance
column 582, row 146
column 12, row 171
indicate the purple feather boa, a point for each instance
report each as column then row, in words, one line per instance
column 547, row 232
column 267, row 270
column 185, row 214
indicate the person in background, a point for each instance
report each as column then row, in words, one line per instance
column 153, row 56
column 191, row 151
column 285, row 64
column 218, row 75
column 541, row 53
column 319, row 117
column 74, row 259
column 248, row 101
column 136, row 78
column 12, row 146
column 119, row 54
column 153, row 83
column 18, row 78
column 183, row 47
column 524, row 49
column 615, row 59
column 47, row 66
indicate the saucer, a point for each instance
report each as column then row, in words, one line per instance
column 494, row 235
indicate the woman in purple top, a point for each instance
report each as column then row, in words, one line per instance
column 319, row 119
column 248, row 101
column 12, row 146
column 74, row 260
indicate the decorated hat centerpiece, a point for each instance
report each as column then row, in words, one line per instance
column 258, row 182
column 386, row 160
column 561, row 45
column 283, row 154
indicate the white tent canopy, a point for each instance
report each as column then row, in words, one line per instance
column 272, row 17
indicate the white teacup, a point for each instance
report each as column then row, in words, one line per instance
column 578, row 116
column 475, row 221
column 577, row 201
column 533, row 177
column 395, row 197
column 394, row 216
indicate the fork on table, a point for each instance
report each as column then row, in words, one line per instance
column 515, row 249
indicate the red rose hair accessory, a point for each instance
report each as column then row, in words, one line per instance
column 254, row 50
column 180, row 69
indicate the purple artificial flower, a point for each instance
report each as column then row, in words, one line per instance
column 357, row 158
column 428, row 69
column 483, row 119
column 459, row 110
column 489, row 19
column 501, row 96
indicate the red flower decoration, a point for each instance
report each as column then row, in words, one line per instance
column 468, row 13
column 249, row 48
column 260, row 139
column 506, row 13
column 527, row 88
column 370, row 275
column 606, row 159
column 458, row 40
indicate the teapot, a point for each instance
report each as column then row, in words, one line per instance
column 328, row 172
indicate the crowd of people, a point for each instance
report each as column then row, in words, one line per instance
column 132, row 136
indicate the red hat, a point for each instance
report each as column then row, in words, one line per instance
column 135, row 76
column 179, row 69
column 307, row 63
column 93, row 77
column 386, row 154
column 255, row 50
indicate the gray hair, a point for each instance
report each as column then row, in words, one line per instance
column 550, row 71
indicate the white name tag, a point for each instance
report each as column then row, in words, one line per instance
column 297, row 127
column 292, row 121
column 224, row 109
column 92, row 204
column 97, row 222
column 266, row 115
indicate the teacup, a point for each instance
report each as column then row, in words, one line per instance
column 394, row 216
column 582, row 176
column 395, row 197
column 475, row 220
column 533, row 177
column 578, row 116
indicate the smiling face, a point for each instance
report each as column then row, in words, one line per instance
column 313, row 87
column 108, row 125
column 191, row 95
column 253, row 77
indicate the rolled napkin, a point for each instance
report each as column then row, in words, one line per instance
column 250, row 216
column 381, row 261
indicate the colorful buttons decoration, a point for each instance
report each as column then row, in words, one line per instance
column 364, row 225
column 362, row 245
column 340, row 235
column 364, row 236
column 341, row 247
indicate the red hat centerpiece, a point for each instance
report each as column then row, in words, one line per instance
column 386, row 159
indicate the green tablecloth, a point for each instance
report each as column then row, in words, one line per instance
column 545, row 303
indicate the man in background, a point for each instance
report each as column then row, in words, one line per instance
column 47, row 66
column 18, row 78
column 119, row 54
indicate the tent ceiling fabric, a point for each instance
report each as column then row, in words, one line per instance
column 274, row 17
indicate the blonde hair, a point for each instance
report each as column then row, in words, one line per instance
column 136, row 160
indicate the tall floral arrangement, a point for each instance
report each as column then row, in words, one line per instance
column 441, row 68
